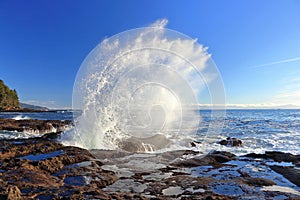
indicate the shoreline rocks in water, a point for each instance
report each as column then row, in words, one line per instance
column 233, row 142
column 149, row 144
column 277, row 156
column 34, row 126
column 42, row 168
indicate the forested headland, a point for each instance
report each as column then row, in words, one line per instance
column 9, row 99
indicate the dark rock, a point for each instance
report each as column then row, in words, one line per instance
column 34, row 126
column 44, row 169
column 194, row 143
column 224, row 153
column 233, row 142
column 222, row 156
column 223, row 142
column 171, row 155
column 149, row 144
column 41, row 168
column 215, row 158
column 289, row 173
column 109, row 154
column 133, row 145
column 167, row 169
column 277, row 156
column 53, row 135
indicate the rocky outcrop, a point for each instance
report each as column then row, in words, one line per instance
column 233, row 142
column 277, row 157
column 44, row 169
column 149, row 144
column 34, row 126
column 41, row 168
column 289, row 173
column 215, row 158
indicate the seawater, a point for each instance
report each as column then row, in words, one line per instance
column 260, row 130
column 50, row 115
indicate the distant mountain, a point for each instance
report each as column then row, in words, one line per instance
column 32, row 107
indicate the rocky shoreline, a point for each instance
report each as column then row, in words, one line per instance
column 34, row 126
column 43, row 168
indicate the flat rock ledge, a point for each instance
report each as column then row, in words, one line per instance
column 42, row 168
column 34, row 126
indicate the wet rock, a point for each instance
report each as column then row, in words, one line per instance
column 54, row 164
column 233, row 142
column 44, row 169
column 289, row 173
column 41, row 168
column 109, row 154
column 30, row 176
column 222, row 156
column 171, row 155
column 34, row 126
column 52, row 135
column 194, row 143
column 277, row 156
column 215, row 158
column 149, row 144
column 134, row 145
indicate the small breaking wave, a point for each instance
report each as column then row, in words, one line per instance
column 21, row 117
column 17, row 135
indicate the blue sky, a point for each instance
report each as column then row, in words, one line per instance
column 254, row 43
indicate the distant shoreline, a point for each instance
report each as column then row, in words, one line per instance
column 24, row 110
column 34, row 111
column 29, row 111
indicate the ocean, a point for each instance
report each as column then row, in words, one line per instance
column 259, row 130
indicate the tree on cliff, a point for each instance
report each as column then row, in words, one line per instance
column 8, row 98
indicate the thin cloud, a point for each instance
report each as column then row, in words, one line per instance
column 270, row 105
column 275, row 63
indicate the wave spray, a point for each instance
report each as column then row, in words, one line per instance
column 140, row 90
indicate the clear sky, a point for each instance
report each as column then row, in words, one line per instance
column 254, row 43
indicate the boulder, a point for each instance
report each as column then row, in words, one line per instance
column 135, row 144
column 194, row 143
column 233, row 142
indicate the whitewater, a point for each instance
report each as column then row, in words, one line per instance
column 144, row 86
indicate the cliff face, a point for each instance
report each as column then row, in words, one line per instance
column 8, row 98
